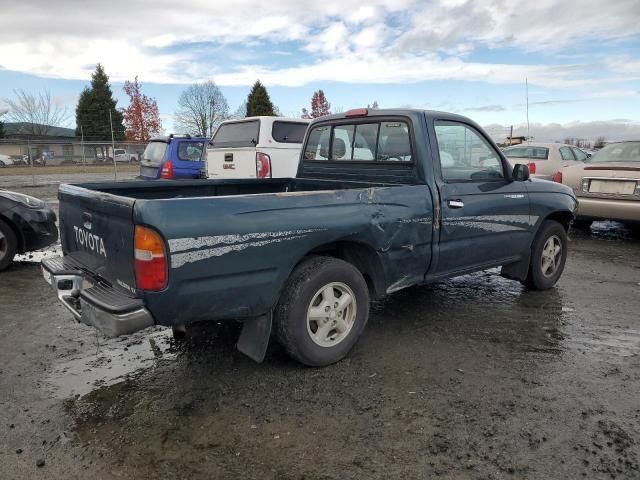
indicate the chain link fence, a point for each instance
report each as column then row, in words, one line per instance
column 37, row 158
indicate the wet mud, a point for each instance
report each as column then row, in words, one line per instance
column 472, row 378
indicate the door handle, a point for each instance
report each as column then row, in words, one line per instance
column 455, row 203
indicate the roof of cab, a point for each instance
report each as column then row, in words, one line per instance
column 391, row 112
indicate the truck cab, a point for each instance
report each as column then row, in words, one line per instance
column 173, row 157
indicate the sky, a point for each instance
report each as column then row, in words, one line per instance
column 581, row 60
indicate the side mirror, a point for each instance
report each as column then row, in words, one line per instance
column 520, row 172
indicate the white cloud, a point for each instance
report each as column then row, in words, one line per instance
column 384, row 41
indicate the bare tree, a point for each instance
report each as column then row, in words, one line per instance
column 201, row 108
column 39, row 112
column 600, row 142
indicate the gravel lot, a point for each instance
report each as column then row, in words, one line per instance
column 473, row 378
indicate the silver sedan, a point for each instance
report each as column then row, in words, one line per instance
column 545, row 159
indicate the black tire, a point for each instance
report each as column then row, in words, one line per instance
column 8, row 245
column 537, row 279
column 179, row 332
column 582, row 224
column 290, row 320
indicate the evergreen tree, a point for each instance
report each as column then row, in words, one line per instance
column 2, row 132
column 94, row 105
column 258, row 101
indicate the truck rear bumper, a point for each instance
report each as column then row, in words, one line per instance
column 96, row 305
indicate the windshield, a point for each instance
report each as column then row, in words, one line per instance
column 539, row 153
column 237, row 134
column 154, row 153
column 617, row 152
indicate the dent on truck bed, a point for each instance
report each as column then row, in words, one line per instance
column 240, row 249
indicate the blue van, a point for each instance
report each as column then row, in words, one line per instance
column 173, row 157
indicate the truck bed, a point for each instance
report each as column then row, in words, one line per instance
column 219, row 188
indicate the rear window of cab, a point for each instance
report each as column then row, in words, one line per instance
column 385, row 141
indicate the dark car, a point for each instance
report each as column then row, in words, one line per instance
column 383, row 200
column 173, row 157
column 26, row 224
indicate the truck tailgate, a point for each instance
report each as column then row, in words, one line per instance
column 231, row 162
column 97, row 231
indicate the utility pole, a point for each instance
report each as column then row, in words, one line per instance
column 511, row 136
column 113, row 148
column 526, row 84
column 84, row 160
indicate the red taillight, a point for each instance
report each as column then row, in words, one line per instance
column 357, row 112
column 150, row 259
column 532, row 167
column 557, row 177
column 167, row 170
column 263, row 165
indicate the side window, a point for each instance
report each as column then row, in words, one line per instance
column 342, row 145
column 288, row 132
column 565, row 154
column 580, row 155
column 190, row 151
column 465, row 156
column 394, row 143
column 318, row 144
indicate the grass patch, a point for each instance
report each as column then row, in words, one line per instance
column 65, row 169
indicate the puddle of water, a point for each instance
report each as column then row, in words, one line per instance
column 110, row 362
column 54, row 250
column 605, row 341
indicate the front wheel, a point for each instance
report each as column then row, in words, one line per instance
column 8, row 245
column 322, row 311
column 548, row 256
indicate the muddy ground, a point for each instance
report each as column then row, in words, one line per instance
column 473, row 378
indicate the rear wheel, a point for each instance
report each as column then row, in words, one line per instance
column 322, row 311
column 8, row 245
column 548, row 256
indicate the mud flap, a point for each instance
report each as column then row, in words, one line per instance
column 254, row 338
column 518, row 270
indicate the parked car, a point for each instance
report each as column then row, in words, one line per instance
column 545, row 159
column 256, row 147
column 308, row 253
column 173, row 157
column 19, row 159
column 122, row 156
column 26, row 223
column 607, row 184
column 5, row 161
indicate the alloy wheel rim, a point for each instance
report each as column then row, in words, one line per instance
column 331, row 314
column 551, row 256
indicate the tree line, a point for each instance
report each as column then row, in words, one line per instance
column 201, row 108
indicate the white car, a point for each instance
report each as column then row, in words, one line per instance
column 545, row 159
column 256, row 147
column 121, row 156
column 5, row 161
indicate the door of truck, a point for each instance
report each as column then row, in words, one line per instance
column 485, row 216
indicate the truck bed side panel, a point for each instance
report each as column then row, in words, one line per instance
column 241, row 250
